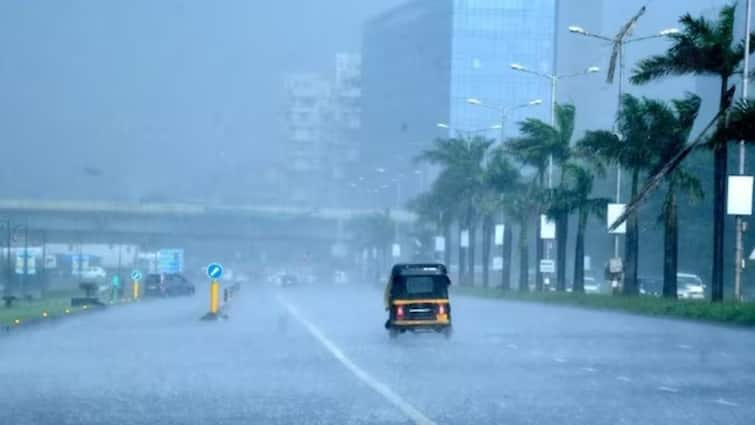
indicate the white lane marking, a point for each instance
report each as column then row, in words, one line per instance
column 410, row 411
column 559, row 360
column 512, row 346
column 623, row 379
column 726, row 402
column 668, row 389
column 685, row 346
column 588, row 369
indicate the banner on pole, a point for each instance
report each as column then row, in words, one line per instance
column 464, row 242
column 499, row 228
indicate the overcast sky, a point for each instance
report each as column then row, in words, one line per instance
column 159, row 95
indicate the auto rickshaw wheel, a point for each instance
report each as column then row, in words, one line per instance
column 447, row 332
column 393, row 332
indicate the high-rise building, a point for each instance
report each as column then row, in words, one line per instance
column 307, row 117
column 322, row 127
column 424, row 59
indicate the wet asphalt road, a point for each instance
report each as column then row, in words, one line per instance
column 320, row 356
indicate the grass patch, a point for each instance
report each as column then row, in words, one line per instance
column 54, row 304
column 731, row 313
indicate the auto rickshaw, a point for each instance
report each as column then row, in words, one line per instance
column 416, row 298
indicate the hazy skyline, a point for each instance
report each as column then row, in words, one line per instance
column 163, row 96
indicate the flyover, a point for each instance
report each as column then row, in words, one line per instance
column 108, row 221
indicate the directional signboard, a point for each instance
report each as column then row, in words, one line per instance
column 79, row 262
column 170, row 261
column 547, row 266
column 215, row 271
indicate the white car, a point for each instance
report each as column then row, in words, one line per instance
column 591, row 285
column 91, row 273
column 689, row 286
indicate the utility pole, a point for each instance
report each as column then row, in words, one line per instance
column 8, row 269
column 740, row 262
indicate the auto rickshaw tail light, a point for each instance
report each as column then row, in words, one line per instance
column 400, row 312
column 441, row 309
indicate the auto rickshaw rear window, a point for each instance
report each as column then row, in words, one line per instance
column 421, row 287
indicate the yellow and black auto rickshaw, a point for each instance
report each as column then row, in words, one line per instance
column 416, row 298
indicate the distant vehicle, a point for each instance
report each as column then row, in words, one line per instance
column 91, row 273
column 592, row 286
column 416, row 298
column 177, row 284
column 650, row 285
column 242, row 278
column 153, row 285
column 339, row 277
column 161, row 285
column 288, row 280
column 689, row 286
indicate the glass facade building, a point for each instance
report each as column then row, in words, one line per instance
column 487, row 36
column 422, row 61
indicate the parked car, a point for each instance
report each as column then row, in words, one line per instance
column 591, row 285
column 650, row 285
column 689, row 286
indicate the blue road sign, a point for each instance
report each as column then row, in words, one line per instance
column 170, row 260
column 136, row 275
column 215, row 271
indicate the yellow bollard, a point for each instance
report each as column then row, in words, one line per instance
column 135, row 289
column 214, row 289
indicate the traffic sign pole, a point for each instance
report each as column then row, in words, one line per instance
column 136, row 276
column 214, row 272
column 214, row 289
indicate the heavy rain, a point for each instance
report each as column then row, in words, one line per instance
column 424, row 212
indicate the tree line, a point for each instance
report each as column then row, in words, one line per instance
column 478, row 183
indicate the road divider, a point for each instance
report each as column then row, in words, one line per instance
column 219, row 307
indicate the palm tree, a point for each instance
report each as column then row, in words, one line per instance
column 462, row 172
column 374, row 232
column 503, row 182
column 437, row 206
column 633, row 154
column 537, row 143
column 575, row 194
column 741, row 124
column 705, row 47
column 672, row 126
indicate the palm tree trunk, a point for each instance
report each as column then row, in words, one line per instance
column 538, row 243
column 472, row 252
column 524, row 252
column 508, row 235
column 670, row 244
column 579, row 253
column 631, row 243
column 719, row 198
column 562, row 232
column 487, row 227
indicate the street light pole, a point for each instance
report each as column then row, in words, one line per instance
column 739, row 263
column 619, row 41
column 553, row 79
column 8, row 290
